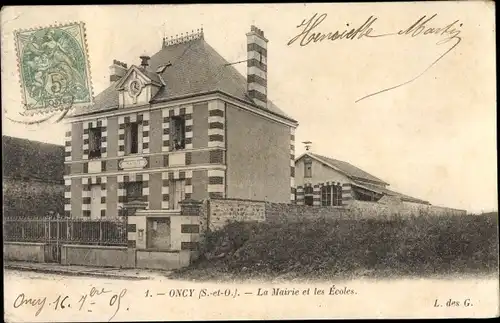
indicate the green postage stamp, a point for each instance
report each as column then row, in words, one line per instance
column 54, row 68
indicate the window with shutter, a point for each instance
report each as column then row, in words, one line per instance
column 178, row 135
column 133, row 191
column 95, row 143
column 132, row 138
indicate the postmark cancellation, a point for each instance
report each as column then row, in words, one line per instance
column 54, row 68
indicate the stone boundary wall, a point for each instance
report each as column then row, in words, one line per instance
column 283, row 212
column 216, row 213
column 152, row 259
column 222, row 211
column 24, row 251
column 405, row 209
column 124, row 257
column 98, row 256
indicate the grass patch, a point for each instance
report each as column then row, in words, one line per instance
column 328, row 248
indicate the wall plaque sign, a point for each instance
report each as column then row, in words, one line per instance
column 133, row 163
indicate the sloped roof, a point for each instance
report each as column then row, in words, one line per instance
column 152, row 75
column 104, row 101
column 358, row 176
column 348, row 169
column 386, row 191
column 196, row 68
column 27, row 159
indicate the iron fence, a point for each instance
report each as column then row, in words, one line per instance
column 105, row 232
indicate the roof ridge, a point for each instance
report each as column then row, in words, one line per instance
column 181, row 39
column 323, row 156
column 189, row 45
column 365, row 173
column 339, row 160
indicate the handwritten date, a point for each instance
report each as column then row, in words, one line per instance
column 62, row 302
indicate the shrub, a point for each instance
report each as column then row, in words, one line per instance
column 324, row 247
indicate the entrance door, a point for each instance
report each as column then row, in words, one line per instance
column 309, row 195
column 159, row 233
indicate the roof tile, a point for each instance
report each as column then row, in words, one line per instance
column 195, row 68
column 389, row 192
column 349, row 169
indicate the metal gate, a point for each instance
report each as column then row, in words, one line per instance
column 55, row 231
column 53, row 236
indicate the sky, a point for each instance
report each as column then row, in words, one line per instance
column 433, row 138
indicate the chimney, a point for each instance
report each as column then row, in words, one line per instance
column 144, row 61
column 257, row 66
column 117, row 71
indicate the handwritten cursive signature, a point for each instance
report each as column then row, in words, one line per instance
column 448, row 33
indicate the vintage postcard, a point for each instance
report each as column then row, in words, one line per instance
column 229, row 162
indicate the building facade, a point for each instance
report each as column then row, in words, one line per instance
column 324, row 181
column 184, row 124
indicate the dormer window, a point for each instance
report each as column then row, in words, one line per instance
column 139, row 85
column 95, row 143
column 162, row 68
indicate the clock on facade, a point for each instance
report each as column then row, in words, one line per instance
column 134, row 88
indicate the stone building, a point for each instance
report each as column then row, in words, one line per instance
column 184, row 124
column 326, row 181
